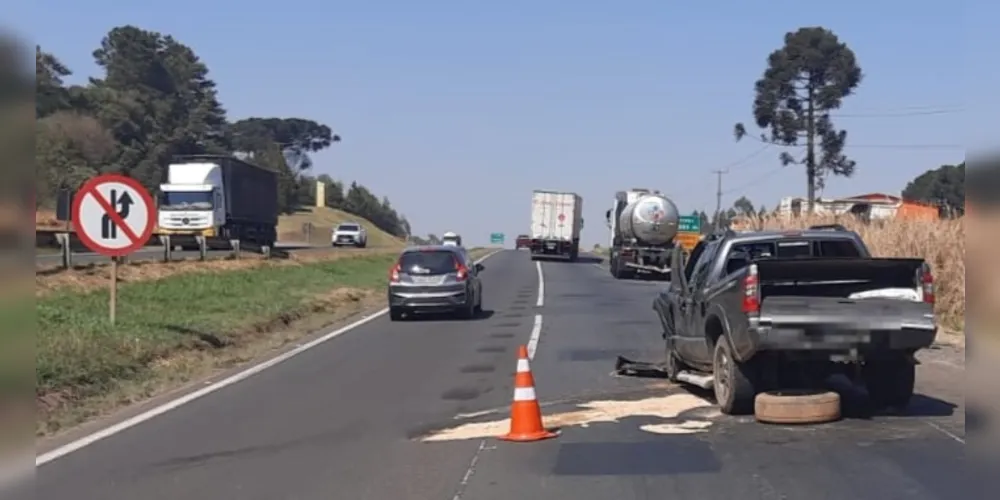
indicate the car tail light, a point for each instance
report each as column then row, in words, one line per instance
column 461, row 272
column 751, row 291
column 927, row 284
column 394, row 273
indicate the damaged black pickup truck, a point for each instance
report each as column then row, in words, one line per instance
column 751, row 312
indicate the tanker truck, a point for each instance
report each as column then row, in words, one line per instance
column 643, row 225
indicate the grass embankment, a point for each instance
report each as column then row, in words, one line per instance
column 185, row 327
column 323, row 221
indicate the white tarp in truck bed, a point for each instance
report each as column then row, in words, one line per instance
column 546, row 209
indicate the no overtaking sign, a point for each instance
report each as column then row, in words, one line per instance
column 113, row 215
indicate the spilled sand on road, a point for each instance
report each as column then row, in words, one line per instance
column 605, row 411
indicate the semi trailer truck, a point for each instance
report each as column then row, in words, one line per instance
column 218, row 199
column 556, row 222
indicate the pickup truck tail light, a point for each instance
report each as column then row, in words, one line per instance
column 394, row 273
column 927, row 284
column 461, row 272
column 751, row 291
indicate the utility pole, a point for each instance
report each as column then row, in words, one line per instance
column 718, row 195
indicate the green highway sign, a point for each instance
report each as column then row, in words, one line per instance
column 689, row 224
column 496, row 238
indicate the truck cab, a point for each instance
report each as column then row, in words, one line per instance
column 192, row 201
column 451, row 239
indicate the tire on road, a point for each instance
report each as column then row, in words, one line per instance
column 797, row 407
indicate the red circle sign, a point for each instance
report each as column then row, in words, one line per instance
column 562, row 217
column 105, row 228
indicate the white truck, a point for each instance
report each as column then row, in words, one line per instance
column 556, row 222
column 218, row 198
column 643, row 226
column 451, row 239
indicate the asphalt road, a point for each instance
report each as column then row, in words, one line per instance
column 343, row 420
column 52, row 257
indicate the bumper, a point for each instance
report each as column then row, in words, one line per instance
column 429, row 301
column 865, row 341
column 346, row 240
column 550, row 247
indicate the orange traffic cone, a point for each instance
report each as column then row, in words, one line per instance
column 525, row 413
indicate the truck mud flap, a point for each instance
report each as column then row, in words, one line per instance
column 628, row 368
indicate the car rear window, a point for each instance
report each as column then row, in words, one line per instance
column 347, row 227
column 791, row 249
column 427, row 262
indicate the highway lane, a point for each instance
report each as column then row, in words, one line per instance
column 342, row 420
column 334, row 422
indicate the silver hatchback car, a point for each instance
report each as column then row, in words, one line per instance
column 435, row 279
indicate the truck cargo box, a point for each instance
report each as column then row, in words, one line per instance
column 556, row 216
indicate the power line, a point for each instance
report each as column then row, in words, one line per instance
column 757, row 180
column 748, row 157
column 895, row 114
column 866, row 146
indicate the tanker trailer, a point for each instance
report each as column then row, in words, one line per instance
column 643, row 225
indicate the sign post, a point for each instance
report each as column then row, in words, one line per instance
column 114, row 216
column 496, row 238
column 689, row 231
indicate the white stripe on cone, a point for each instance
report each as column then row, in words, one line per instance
column 522, row 366
column 524, row 394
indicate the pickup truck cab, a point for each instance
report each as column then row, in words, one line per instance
column 772, row 310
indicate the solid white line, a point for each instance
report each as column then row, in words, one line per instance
column 944, row 431
column 187, row 398
column 536, row 333
column 541, row 285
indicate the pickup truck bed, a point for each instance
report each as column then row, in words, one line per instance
column 807, row 305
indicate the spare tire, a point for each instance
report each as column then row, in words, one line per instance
column 797, row 407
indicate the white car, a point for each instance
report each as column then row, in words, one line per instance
column 349, row 234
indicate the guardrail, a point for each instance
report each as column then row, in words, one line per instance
column 69, row 245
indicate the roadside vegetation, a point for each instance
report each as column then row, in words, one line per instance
column 154, row 99
column 188, row 326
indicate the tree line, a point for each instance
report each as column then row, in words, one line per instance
column 154, row 101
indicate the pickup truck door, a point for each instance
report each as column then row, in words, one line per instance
column 696, row 348
column 680, row 269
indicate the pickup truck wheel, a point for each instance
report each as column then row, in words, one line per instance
column 890, row 381
column 797, row 407
column 671, row 365
column 734, row 382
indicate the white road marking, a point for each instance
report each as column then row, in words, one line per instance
column 464, row 483
column 944, row 431
column 536, row 333
column 541, row 285
column 187, row 398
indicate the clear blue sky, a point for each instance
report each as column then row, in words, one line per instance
column 456, row 110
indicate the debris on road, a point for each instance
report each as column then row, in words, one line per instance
column 668, row 407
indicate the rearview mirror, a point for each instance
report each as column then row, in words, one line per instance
column 479, row 268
